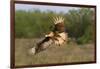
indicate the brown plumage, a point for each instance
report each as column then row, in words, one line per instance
column 60, row 27
column 57, row 36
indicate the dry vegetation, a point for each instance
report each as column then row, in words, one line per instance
column 54, row 54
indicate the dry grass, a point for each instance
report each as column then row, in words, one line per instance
column 54, row 54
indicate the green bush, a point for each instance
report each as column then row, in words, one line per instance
column 33, row 24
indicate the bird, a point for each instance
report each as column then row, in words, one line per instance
column 56, row 36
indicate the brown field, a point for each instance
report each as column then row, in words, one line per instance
column 55, row 54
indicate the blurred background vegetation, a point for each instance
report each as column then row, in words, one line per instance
column 80, row 24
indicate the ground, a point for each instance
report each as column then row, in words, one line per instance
column 68, row 53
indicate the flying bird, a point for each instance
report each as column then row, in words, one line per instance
column 57, row 36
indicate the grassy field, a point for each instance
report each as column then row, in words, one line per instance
column 54, row 54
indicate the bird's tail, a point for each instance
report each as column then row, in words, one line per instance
column 42, row 45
